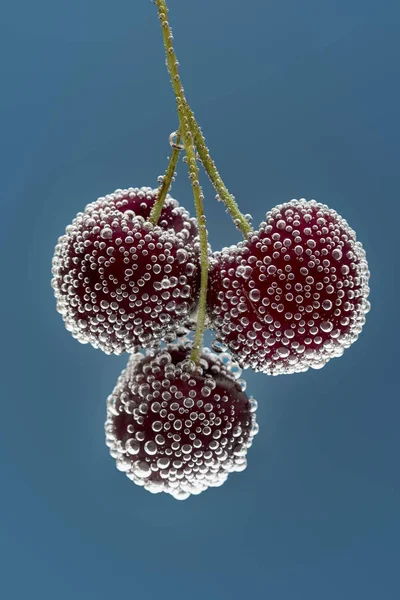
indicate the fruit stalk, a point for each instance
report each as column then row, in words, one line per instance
column 238, row 218
column 188, row 142
column 166, row 183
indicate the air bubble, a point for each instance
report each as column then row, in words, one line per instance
column 255, row 295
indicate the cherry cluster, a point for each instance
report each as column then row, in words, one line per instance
column 135, row 273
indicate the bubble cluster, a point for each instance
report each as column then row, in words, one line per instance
column 294, row 294
column 179, row 428
column 121, row 283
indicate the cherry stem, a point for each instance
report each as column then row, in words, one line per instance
column 166, row 182
column 232, row 207
column 188, row 142
column 238, row 218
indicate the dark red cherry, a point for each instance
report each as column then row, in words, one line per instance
column 294, row 294
column 179, row 429
column 121, row 283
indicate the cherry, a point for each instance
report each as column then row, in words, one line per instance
column 121, row 283
column 294, row 294
column 176, row 428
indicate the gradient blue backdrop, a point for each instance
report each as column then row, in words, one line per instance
column 296, row 99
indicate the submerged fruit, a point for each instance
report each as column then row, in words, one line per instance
column 294, row 294
column 121, row 283
column 179, row 429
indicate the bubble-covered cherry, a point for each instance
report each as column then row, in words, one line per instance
column 292, row 295
column 121, row 283
column 176, row 428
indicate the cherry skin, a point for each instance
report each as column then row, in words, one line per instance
column 178, row 429
column 294, row 293
column 121, row 283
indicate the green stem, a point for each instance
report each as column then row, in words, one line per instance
column 238, row 218
column 166, row 183
column 188, row 142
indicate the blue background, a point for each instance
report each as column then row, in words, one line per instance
column 296, row 99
